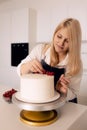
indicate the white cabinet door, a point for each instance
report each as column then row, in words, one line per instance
column 58, row 13
column 19, row 25
column 4, row 40
column 23, row 26
column 78, row 10
column 83, row 90
column 84, row 54
column 49, row 18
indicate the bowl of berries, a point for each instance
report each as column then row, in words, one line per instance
column 8, row 95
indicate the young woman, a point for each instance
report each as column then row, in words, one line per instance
column 63, row 51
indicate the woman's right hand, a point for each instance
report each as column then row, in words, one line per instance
column 35, row 66
column 32, row 66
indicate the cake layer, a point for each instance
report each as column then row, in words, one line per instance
column 37, row 87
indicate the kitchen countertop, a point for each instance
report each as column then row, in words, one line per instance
column 71, row 117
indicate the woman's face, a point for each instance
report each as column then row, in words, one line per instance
column 61, row 41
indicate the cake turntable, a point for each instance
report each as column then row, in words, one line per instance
column 39, row 114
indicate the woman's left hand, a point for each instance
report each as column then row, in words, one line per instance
column 62, row 84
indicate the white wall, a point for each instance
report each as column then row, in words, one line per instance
column 49, row 14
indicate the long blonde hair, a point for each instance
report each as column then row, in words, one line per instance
column 74, row 60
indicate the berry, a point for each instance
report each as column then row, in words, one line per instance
column 8, row 94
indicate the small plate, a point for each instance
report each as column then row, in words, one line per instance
column 18, row 97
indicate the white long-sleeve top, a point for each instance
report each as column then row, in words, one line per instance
column 36, row 53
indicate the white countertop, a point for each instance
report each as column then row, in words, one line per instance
column 71, row 117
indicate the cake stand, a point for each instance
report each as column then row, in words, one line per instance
column 39, row 114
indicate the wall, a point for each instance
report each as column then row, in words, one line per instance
column 49, row 14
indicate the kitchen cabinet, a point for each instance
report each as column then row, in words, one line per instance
column 77, row 10
column 58, row 13
column 83, row 89
column 23, row 26
column 84, row 54
column 48, row 19
column 16, row 26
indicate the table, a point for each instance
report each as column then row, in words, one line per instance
column 71, row 116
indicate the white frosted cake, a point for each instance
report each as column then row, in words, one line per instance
column 37, row 87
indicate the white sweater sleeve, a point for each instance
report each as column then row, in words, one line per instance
column 74, row 86
column 36, row 53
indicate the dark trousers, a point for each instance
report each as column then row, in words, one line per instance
column 74, row 100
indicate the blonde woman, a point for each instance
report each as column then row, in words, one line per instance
column 63, row 51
